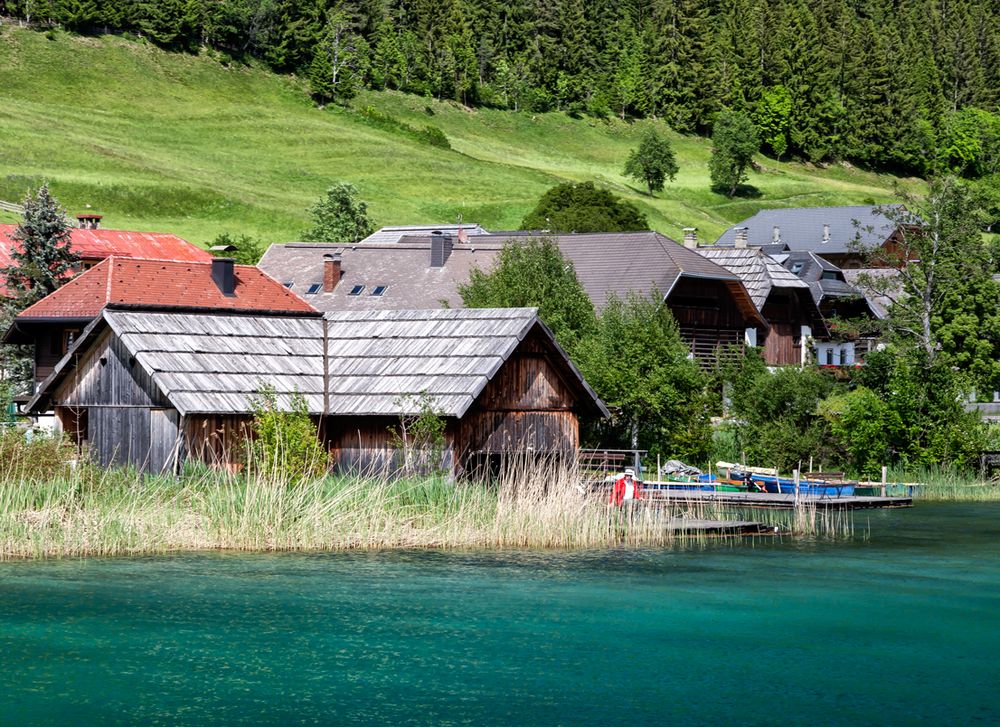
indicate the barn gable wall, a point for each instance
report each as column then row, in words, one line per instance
column 107, row 375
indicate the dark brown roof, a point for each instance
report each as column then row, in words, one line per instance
column 605, row 263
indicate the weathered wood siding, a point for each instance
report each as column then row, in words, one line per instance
column 527, row 407
column 109, row 376
column 708, row 318
column 365, row 445
column 783, row 343
column 217, row 440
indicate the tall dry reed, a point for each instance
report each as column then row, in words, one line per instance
column 85, row 510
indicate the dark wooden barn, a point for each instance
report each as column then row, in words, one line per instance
column 154, row 389
column 785, row 302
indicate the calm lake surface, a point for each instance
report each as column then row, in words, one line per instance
column 901, row 628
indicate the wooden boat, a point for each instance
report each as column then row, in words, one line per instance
column 816, row 488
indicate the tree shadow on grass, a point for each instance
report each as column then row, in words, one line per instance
column 743, row 191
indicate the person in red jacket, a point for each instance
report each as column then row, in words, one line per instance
column 626, row 488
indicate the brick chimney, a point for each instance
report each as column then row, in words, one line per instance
column 224, row 275
column 331, row 271
column 691, row 238
column 742, row 237
column 776, row 236
column 88, row 221
column 441, row 246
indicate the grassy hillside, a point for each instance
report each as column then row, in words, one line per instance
column 183, row 144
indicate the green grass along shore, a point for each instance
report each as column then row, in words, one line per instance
column 178, row 143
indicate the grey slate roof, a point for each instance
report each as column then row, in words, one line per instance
column 605, row 263
column 760, row 273
column 879, row 304
column 394, row 233
column 816, row 271
column 801, row 228
column 217, row 364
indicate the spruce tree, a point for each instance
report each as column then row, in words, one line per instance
column 42, row 258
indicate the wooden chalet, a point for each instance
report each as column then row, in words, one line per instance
column 52, row 324
column 710, row 303
column 784, row 301
column 155, row 389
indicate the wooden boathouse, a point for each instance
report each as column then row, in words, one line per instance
column 153, row 389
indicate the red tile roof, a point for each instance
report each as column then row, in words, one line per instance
column 163, row 283
column 99, row 244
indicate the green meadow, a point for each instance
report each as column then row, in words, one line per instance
column 184, row 144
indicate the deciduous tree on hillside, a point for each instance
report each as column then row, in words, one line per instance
column 734, row 142
column 583, row 207
column 653, row 162
column 339, row 216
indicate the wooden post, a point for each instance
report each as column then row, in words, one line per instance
column 657, row 466
column 795, row 474
column 810, row 463
column 885, row 473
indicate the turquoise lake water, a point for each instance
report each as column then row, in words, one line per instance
column 901, row 628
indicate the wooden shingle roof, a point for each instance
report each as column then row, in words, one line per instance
column 373, row 362
column 759, row 272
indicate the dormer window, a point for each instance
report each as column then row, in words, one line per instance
column 314, row 288
column 288, row 285
column 829, row 275
column 357, row 290
column 379, row 289
column 796, row 268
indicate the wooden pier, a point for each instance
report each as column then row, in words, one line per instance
column 692, row 526
column 774, row 500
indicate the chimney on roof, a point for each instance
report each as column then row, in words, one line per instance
column 331, row 271
column 224, row 275
column 776, row 237
column 826, row 233
column 88, row 221
column 742, row 237
column 691, row 238
column 441, row 245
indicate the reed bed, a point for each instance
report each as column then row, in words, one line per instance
column 50, row 507
column 946, row 484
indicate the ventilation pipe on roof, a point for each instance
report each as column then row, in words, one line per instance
column 88, row 221
column 742, row 237
column 776, row 238
column 826, row 233
column 224, row 275
column 441, row 245
column 332, row 271
column 691, row 238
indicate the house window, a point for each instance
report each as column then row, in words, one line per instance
column 796, row 268
column 357, row 290
column 288, row 285
column 829, row 356
column 829, row 275
column 314, row 288
column 379, row 289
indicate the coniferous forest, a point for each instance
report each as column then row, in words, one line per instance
column 909, row 86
